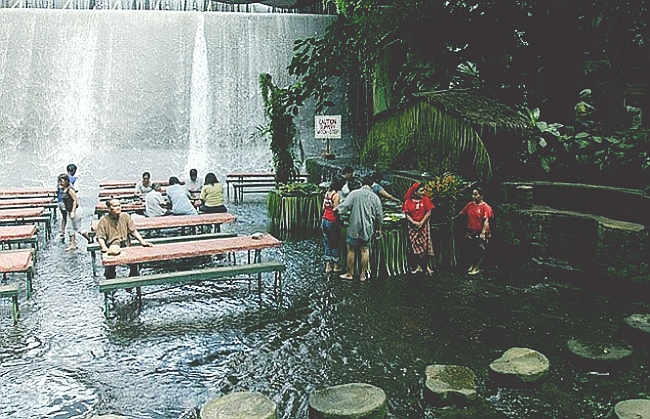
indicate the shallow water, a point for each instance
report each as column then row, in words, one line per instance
column 192, row 343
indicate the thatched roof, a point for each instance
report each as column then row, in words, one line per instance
column 476, row 109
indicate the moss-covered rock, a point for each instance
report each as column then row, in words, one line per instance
column 239, row 405
column 448, row 385
column 520, row 367
column 348, row 401
column 600, row 356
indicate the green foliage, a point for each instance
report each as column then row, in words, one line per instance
column 294, row 213
column 562, row 149
column 447, row 185
column 299, row 189
column 423, row 138
column 281, row 128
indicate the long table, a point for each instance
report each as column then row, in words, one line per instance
column 177, row 221
column 31, row 192
column 101, row 208
column 18, row 234
column 121, row 184
column 173, row 251
column 27, row 216
column 252, row 182
column 18, row 261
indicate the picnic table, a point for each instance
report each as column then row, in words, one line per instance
column 177, row 221
column 105, row 194
column 18, row 234
column 121, row 184
column 173, row 251
column 18, row 203
column 101, row 208
column 252, row 182
column 31, row 192
column 27, row 216
column 18, row 261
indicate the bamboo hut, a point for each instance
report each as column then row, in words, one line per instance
column 443, row 131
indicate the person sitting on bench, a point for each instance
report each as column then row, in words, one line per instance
column 115, row 229
column 179, row 197
column 212, row 195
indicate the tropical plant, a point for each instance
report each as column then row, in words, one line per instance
column 299, row 189
column 423, row 138
column 294, row 213
column 280, row 128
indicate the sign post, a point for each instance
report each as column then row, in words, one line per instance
column 327, row 126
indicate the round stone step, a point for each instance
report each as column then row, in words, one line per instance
column 632, row 409
column 636, row 329
column 520, row 367
column 239, row 405
column 109, row 417
column 348, row 401
column 449, row 385
column 605, row 356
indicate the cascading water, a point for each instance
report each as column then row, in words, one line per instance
column 121, row 92
column 199, row 102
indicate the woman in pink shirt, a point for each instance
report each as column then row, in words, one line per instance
column 478, row 214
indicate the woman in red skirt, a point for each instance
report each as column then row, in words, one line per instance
column 417, row 208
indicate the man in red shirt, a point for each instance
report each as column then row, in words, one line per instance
column 478, row 214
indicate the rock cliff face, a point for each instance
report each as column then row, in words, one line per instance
column 599, row 240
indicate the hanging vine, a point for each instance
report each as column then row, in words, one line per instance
column 280, row 128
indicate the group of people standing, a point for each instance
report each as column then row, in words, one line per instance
column 360, row 205
column 205, row 195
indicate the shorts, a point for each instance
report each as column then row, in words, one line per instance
column 73, row 224
column 356, row 242
column 62, row 207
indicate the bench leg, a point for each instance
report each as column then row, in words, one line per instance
column 138, row 293
column 29, row 284
column 14, row 308
column 258, row 256
column 106, row 306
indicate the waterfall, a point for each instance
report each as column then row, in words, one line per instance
column 199, row 105
column 118, row 92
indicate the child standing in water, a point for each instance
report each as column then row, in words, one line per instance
column 70, row 203
column 72, row 178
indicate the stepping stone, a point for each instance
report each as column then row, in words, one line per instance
column 636, row 329
column 632, row 409
column 109, row 417
column 239, row 405
column 606, row 357
column 520, row 367
column 449, row 385
column 348, row 401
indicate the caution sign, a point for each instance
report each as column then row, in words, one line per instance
column 328, row 126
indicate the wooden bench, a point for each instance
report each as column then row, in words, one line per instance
column 27, row 192
column 11, row 290
column 252, row 182
column 108, row 286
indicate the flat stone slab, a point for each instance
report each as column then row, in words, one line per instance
column 239, row 405
column 632, row 409
column 448, row 385
column 636, row 329
column 520, row 367
column 109, row 417
column 348, row 401
column 605, row 356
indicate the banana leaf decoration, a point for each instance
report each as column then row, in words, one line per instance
column 292, row 210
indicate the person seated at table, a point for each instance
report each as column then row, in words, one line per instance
column 212, row 195
column 115, row 229
column 379, row 190
column 179, row 197
column 143, row 187
column 155, row 204
column 194, row 185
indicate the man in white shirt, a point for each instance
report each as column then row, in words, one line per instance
column 194, row 185
column 155, row 204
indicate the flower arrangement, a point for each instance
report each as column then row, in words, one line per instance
column 447, row 185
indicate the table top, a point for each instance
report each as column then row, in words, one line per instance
column 27, row 191
column 21, row 213
column 26, row 202
column 15, row 261
column 119, row 192
column 25, row 231
column 126, row 206
column 118, row 184
column 172, row 221
column 171, row 251
column 256, row 174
